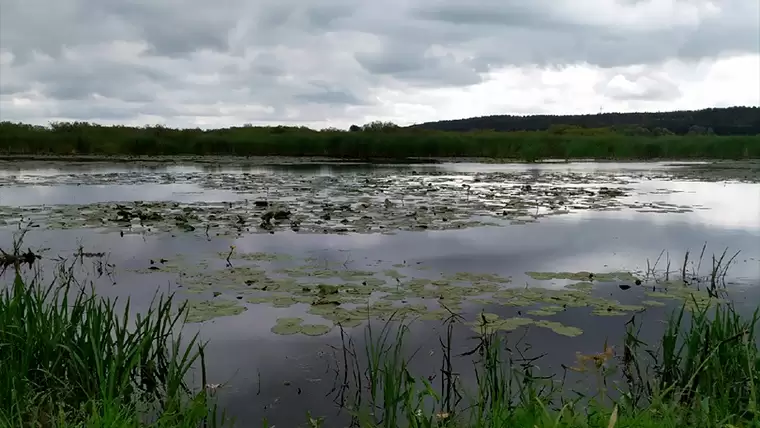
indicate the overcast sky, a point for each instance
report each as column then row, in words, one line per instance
column 326, row 63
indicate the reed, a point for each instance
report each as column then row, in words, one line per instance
column 702, row 373
column 381, row 143
column 71, row 358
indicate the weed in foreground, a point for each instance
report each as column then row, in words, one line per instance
column 70, row 358
column 703, row 373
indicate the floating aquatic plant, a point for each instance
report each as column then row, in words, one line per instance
column 200, row 311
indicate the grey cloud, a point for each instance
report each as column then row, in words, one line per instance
column 323, row 93
column 69, row 81
column 519, row 33
column 416, row 64
column 491, row 13
column 638, row 86
column 289, row 60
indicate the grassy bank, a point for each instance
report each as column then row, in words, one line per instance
column 369, row 143
column 69, row 358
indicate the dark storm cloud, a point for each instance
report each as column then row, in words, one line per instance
column 295, row 60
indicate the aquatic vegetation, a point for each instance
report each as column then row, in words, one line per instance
column 73, row 358
column 347, row 297
column 559, row 328
column 199, row 311
column 544, row 312
column 291, row 326
column 583, row 276
column 315, row 329
column 656, row 386
column 583, row 286
column 257, row 256
column 287, row 326
column 488, row 323
column 694, row 296
column 374, row 202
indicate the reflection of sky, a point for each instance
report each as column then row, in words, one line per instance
column 568, row 243
column 28, row 171
column 552, row 167
column 68, row 194
column 730, row 205
column 28, row 174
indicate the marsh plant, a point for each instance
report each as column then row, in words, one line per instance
column 703, row 372
column 377, row 141
column 69, row 358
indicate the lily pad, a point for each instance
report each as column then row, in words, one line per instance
column 315, row 329
column 200, row 311
column 287, row 326
column 559, row 328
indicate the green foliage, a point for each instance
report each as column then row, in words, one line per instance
column 71, row 358
column 701, row 375
column 722, row 121
column 376, row 140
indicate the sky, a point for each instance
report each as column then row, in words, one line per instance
column 333, row 63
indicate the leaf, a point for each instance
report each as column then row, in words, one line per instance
column 613, row 418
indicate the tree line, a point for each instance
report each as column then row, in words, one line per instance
column 721, row 121
column 376, row 140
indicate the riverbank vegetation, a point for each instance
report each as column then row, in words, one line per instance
column 376, row 141
column 703, row 373
column 69, row 358
column 72, row 359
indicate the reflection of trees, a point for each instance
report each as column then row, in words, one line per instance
column 534, row 174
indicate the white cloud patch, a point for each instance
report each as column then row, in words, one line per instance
column 338, row 62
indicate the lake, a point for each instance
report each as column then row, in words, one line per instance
column 271, row 257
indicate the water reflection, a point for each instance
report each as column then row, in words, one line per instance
column 46, row 169
column 69, row 194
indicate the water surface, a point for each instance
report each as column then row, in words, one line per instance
column 519, row 226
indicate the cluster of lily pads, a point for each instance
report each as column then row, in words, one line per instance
column 348, row 297
column 348, row 203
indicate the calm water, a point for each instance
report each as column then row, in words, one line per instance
column 263, row 373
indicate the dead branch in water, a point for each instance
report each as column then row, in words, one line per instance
column 17, row 259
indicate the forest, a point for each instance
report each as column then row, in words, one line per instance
column 722, row 121
column 646, row 139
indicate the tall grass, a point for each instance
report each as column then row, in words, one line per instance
column 384, row 143
column 701, row 373
column 69, row 358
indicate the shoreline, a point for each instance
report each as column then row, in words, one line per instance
column 299, row 160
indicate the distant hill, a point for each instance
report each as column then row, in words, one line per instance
column 723, row 121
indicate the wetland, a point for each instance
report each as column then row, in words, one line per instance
column 281, row 263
